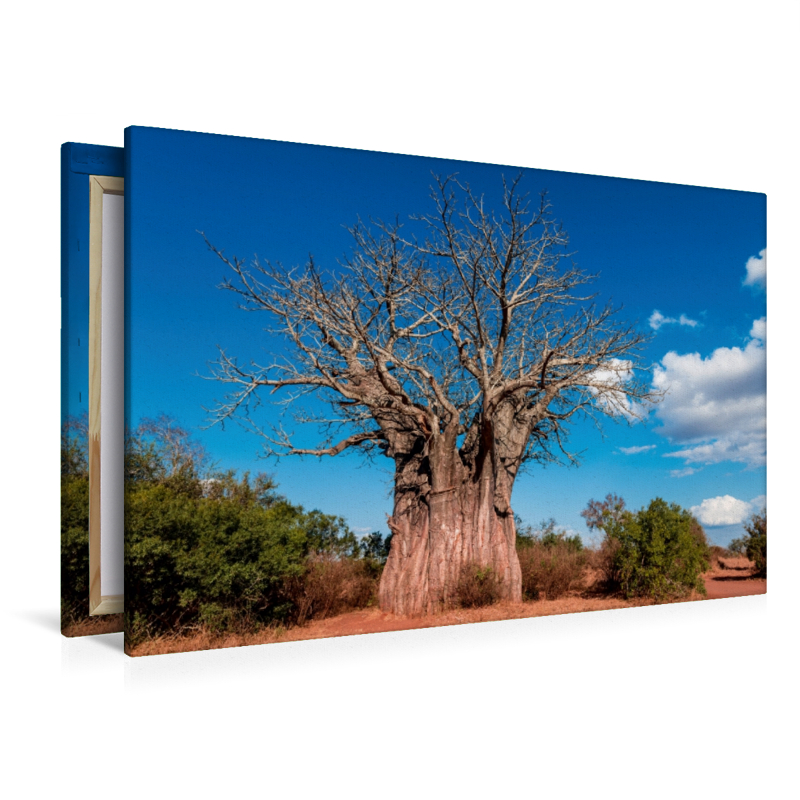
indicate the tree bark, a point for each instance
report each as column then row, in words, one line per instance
column 448, row 514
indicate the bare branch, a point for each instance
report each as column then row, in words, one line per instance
column 460, row 319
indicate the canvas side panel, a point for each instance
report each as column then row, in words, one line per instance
column 78, row 162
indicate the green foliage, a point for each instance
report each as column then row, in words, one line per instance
column 209, row 548
column 754, row 544
column 74, row 548
column 659, row 551
column 225, row 561
column 375, row 547
column 547, row 535
column 738, row 546
column 74, row 447
column 74, row 520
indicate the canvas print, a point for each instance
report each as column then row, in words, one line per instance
column 80, row 163
column 371, row 392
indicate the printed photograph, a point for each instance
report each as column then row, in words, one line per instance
column 370, row 392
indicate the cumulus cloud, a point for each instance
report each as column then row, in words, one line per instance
column 759, row 330
column 724, row 510
column 715, row 407
column 756, row 270
column 632, row 451
column 682, row 473
column 657, row 319
column 727, row 510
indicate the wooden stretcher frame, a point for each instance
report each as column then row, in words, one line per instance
column 98, row 186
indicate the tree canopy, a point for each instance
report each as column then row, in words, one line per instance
column 438, row 330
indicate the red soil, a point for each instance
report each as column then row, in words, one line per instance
column 732, row 578
column 372, row 620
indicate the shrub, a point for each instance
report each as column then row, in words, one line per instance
column 604, row 560
column 209, row 549
column 74, row 520
column 74, row 549
column 477, row 586
column 375, row 547
column 550, row 569
column 223, row 562
column 217, row 618
column 716, row 554
column 754, row 544
column 661, row 554
column 330, row 585
column 551, row 561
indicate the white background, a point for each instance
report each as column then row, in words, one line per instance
column 684, row 701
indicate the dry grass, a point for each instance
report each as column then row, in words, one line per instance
column 477, row 586
column 92, row 626
column 331, row 586
column 721, row 565
column 550, row 571
column 737, row 563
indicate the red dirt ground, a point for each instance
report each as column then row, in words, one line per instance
column 731, row 578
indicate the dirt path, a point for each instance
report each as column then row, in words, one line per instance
column 733, row 577
column 720, row 584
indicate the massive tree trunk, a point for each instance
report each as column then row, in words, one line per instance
column 451, row 511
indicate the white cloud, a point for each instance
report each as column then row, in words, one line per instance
column 759, row 330
column 604, row 382
column 682, row 473
column 756, row 267
column 657, row 319
column 716, row 406
column 632, row 451
column 724, row 510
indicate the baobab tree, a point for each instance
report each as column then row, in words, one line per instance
column 461, row 351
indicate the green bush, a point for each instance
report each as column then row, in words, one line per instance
column 660, row 551
column 230, row 554
column 74, row 549
column 227, row 563
column 207, row 548
column 754, row 543
column 74, row 521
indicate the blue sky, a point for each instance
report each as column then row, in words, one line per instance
column 683, row 252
